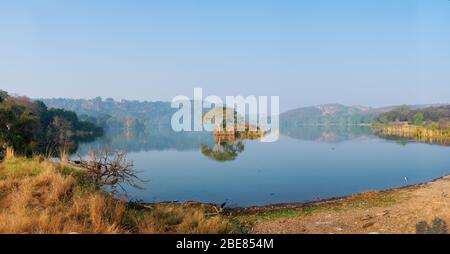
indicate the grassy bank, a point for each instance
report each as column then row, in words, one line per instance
column 40, row 196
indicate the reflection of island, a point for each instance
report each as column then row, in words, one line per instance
column 228, row 143
column 229, row 131
column 223, row 150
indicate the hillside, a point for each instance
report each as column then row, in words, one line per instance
column 99, row 106
column 337, row 114
column 328, row 114
column 160, row 112
column 109, row 113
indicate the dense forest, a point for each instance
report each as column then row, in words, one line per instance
column 125, row 115
column 28, row 126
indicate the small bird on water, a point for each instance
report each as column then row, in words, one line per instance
column 406, row 180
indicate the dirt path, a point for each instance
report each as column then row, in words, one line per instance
column 394, row 211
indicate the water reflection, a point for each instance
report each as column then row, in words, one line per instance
column 223, row 150
column 328, row 133
column 315, row 161
column 149, row 140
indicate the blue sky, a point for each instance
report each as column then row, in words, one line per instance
column 372, row 53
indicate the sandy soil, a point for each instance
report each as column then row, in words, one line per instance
column 411, row 205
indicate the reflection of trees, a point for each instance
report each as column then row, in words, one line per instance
column 329, row 134
column 151, row 140
column 341, row 133
column 223, row 150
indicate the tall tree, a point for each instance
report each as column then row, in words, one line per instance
column 17, row 125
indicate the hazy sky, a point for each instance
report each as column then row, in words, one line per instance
column 308, row 52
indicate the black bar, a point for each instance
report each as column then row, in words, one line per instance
column 225, row 243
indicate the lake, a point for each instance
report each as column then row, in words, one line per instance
column 306, row 164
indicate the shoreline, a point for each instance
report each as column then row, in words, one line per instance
column 289, row 205
column 389, row 211
column 395, row 210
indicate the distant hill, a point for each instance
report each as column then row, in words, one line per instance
column 328, row 114
column 109, row 113
column 336, row 114
column 117, row 114
column 99, row 106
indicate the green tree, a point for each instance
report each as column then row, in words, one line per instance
column 28, row 126
column 17, row 125
column 418, row 118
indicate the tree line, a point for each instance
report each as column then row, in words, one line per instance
column 439, row 115
column 28, row 126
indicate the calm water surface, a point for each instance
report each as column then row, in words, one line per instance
column 305, row 164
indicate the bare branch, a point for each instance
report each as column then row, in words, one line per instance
column 111, row 170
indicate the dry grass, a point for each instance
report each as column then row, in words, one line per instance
column 181, row 219
column 52, row 203
column 9, row 154
column 38, row 196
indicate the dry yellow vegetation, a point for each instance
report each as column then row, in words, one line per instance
column 420, row 133
column 39, row 196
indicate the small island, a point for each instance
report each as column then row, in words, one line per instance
column 230, row 126
column 229, row 132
